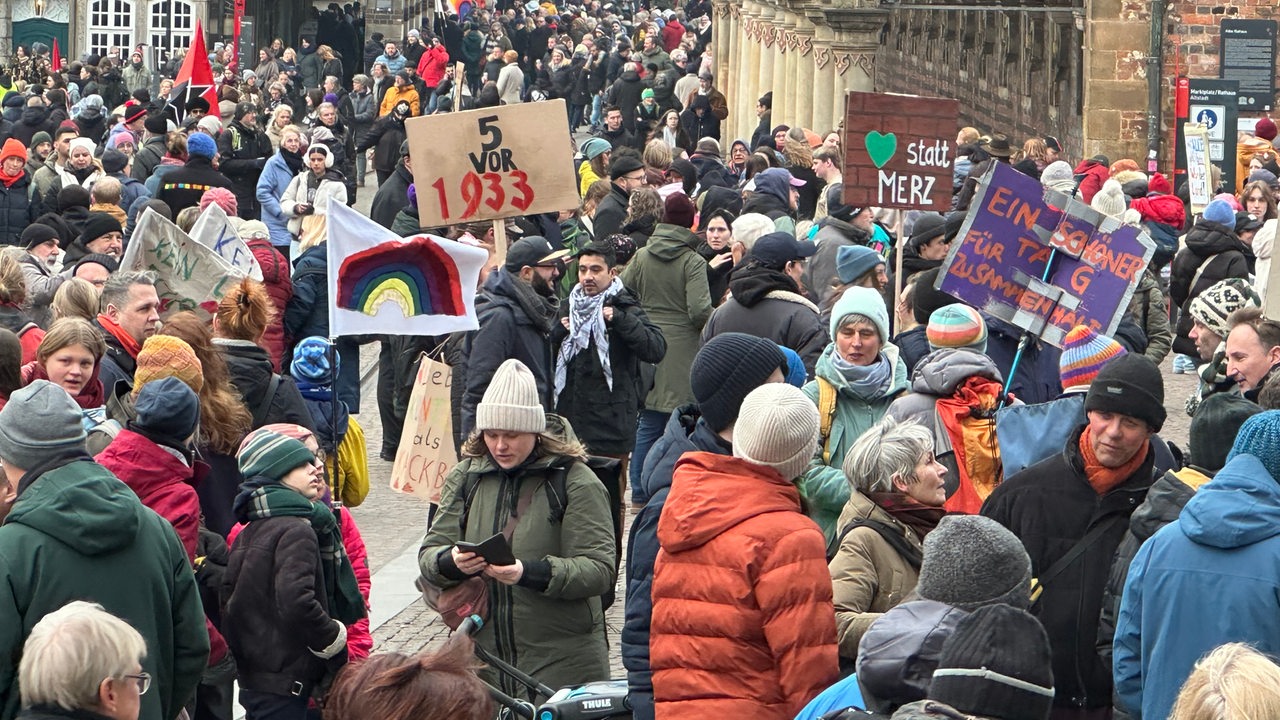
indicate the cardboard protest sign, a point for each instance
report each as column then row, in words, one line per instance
column 189, row 276
column 898, row 151
column 492, row 163
column 382, row 283
column 426, row 453
column 1014, row 225
column 213, row 230
column 1199, row 182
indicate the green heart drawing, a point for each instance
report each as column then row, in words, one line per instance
column 881, row 147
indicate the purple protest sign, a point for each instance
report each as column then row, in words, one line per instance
column 1013, row 226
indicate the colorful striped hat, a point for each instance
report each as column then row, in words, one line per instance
column 272, row 455
column 1084, row 352
column 957, row 326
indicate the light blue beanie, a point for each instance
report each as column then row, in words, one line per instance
column 861, row 301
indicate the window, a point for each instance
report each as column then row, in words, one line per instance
column 171, row 21
column 110, row 25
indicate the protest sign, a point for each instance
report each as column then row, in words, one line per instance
column 500, row 162
column 898, row 151
column 213, row 230
column 189, row 276
column 1196, row 137
column 426, row 453
column 382, row 283
column 1013, row 227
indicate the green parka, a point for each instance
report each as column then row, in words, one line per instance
column 78, row 533
column 823, row 485
column 555, row 633
column 670, row 279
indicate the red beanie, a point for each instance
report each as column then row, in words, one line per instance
column 1265, row 129
column 1159, row 184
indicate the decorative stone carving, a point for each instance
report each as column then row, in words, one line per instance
column 866, row 63
column 768, row 36
column 843, row 60
column 821, row 56
column 806, row 45
column 781, row 37
column 735, row 11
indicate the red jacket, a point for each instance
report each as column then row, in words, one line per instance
column 166, row 485
column 743, row 624
column 672, row 34
column 432, row 64
column 279, row 285
column 1167, row 209
column 1090, row 175
column 359, row 639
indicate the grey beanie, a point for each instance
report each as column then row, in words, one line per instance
column 971, row 561
column 511, row 401
column 59, row 433
column 784, row 430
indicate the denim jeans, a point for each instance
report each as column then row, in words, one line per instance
column 575, row 116
column 595, row 110
column 649, row 428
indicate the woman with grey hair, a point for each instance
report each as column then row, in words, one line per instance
column 81, row 659
column 896, row 498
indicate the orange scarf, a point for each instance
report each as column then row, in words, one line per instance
column 1104, row 479
column 131, row 346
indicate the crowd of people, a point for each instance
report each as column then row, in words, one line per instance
column 846, row 496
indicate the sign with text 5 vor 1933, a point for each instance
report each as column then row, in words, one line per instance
column 492, row 163
column 899, row 151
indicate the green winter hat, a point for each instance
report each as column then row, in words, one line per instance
column 272, row 455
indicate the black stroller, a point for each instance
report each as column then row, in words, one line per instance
column 603, row 700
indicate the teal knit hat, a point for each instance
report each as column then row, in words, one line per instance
column 1259, row 436
column 272, row 455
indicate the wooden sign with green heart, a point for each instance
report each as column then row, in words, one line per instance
column 899, row 151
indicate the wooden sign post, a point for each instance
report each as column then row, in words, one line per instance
column 491, row 164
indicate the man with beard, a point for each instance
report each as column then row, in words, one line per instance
column 243, row 150
column 136, row 75
column 49, row 177
column 1210, row 312
column 41, row 242
column 516, row 310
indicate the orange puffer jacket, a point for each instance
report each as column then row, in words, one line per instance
column 743, row 624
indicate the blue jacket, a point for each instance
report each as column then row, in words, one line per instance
column 685, row 432
column 1209, row 578
column 272, row 183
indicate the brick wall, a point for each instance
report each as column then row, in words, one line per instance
column 1016, row 72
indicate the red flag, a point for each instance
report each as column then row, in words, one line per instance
column 55, row 63
column 195, row 79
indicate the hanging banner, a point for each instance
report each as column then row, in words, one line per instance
column 426, row 453
column 1199, row 182
column 997, row 264
column 898, row 151
column 213, row 230
column 189, row 276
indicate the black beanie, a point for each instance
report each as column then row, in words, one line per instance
column 156, row 124
column 1214, row 428
column 925, row 299
column 113, row 161
column 37, row 233
column 106, row 261
column 73, row 196
column 728, row 367
column 97, row 225
column 624, row 164
column 997, row 664
column 1129, row 385
column 928, row 226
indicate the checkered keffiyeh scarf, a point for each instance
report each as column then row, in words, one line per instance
column 586, row 323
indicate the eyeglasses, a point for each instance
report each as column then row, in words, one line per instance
column 143, row 679
column 634, row 178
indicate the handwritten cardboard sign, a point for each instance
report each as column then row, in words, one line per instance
column 213, row 229
column 1199, row 174
column 189, row 276
column 492, row 163
column 1013, row 227
column 899, row 151
column 426, row 453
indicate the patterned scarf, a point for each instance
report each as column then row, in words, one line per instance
column 868, row 382
column 262, row 498
column 910, row 512
column 586, row 324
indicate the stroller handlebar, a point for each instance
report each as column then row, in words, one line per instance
column 471, row 625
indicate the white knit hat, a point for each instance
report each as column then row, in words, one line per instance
column 1110, row 200
column 783, row 432
column 511, row 401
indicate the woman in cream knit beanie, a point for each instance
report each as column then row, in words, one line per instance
column 511, row 401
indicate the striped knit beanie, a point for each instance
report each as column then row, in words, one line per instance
column 1084, row 352
column 784, row 433
column 956, row 326
column 272, row 455
column 1213, row 306
column 511, row 401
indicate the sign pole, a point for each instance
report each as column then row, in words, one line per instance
column 897, row 269
column 459, row 77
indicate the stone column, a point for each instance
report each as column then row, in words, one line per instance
column 763, row 56
column 828, row 108
column 801, row 49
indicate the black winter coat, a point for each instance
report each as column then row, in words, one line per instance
column 242, row 153
column 16, row 210
column 1215, row 247
column 34, row 120
column 391, row 197
column 611, row 213
column 269, row 632
column 1050, row 506
column 605, row 419
column 768, row 304
column 148, row 157
column 308, row 311
column 507, row 330
column 625, row 94
column 182, row 187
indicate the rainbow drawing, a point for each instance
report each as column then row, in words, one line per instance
column 418, row 275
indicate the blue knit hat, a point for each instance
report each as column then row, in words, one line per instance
column 202, row 145
column 854, row 261
column 1220, row 212
column 861, row 301
column 311, row 362
column 796, row 373
column 1259, row 436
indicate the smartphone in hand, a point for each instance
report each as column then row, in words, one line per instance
column 495, row 550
